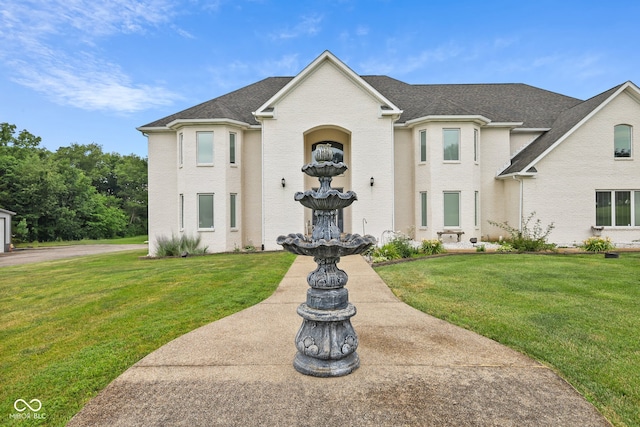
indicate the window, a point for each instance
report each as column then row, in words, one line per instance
column 182, row 212
column 451, row 141
column 475, row 145
column 476, row 208
column 423, row 209
column 232, row 148
column 232, row 211
column 423, row 145
column 622, row 141
column 205, row 210
column 619, row 208
column 452, row 209
column 205, row 147
column 180, row 148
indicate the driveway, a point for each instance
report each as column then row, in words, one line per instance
column 27, row 256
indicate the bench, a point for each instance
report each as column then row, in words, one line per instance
column 457, row 232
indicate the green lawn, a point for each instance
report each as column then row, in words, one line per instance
column 69, row 327
column 579, row 314
column 118, row 241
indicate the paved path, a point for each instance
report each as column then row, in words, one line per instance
column 415, row 371
column 27, row 256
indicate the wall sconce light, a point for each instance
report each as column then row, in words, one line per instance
column 283, row 182
column 371, row 181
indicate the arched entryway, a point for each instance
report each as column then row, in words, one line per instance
column 340, row 140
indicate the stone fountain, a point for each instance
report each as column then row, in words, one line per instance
column 326, row 341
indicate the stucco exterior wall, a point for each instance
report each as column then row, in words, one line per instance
column 163, row 186
column 437, row 176
column 404, row 186
column 520, row 139
column 251, row 167
column 563, row 191
column 322, row 101
column 499, row 201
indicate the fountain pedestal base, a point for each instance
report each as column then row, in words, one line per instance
column 326, row 342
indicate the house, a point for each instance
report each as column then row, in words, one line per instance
column 428, row 159
column 5, row 230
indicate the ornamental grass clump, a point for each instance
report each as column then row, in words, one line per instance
column 179, row 246
column 597, row 244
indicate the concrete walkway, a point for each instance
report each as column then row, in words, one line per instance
column 415, row 371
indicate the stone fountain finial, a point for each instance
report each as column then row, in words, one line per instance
column 326, row 341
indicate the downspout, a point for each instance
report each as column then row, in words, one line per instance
column 262, row 219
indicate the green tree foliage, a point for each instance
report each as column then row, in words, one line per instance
column 77, row 192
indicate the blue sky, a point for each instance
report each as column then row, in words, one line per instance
column 84, row 71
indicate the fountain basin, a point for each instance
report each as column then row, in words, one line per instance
column 324, row 169
column 348, row 244
column 325, row 200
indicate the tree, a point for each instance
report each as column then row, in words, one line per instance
column 75, row 193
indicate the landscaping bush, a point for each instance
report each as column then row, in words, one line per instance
column 403, row 246
column 176, row 246
column 431, row 247
column 597, row 244
column 529, row 238
column 397, row 248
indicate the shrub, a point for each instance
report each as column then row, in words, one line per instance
column 505, row 247
column 481, row 248
column 403, row 246
column 175, row 246
column 529, row 238
column 431, row 247
column 597, row 244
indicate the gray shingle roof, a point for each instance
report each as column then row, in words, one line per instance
column 236, row 105
column 504, row 102
column 565, row 121
column 498, row 102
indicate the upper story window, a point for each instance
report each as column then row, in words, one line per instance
column 338, row 150
column 622, row 141
column 476, row 145
column 232, row 148
column 180, row 149
column 423, row 145
column 451, row 142
column 205, row 148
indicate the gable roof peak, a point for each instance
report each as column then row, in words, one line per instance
column 387, row 106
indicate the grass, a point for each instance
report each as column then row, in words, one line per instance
column 578, row 314
column 118, row 241
column 69, row 327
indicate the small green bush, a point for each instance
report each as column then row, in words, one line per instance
column 529, row 238
column 431, row 247
column 505, row 247
column 176, row 246
column 597, row 244
column 481, row 248
column 397, row 248
column 403, row 245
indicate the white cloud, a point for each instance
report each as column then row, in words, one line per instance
column 91, row 84
column 42, row 39
column 308, row 26
column 239, row 73
column 398, row 66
